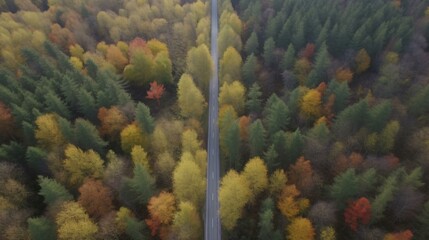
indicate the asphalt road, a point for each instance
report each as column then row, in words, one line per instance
column 212, row 230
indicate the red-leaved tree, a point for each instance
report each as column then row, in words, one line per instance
column 156, row 91
column 358, row 212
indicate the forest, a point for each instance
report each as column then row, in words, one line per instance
column 323, row 119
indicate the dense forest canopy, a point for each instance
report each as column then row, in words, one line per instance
column 323, row 119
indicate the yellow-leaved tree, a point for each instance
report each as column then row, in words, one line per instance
column 48, row 133
column 189, row 182
column 80, row 165
column 234, row 95
column 311, row 104
column 74, row 223
column 131, row 135
column 187, row 223
column 191, row 102
column 234, row 193
column 300, row 229
column 255, row 171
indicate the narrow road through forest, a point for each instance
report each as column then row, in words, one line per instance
column 212, row 221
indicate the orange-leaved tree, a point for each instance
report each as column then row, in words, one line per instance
column 156, row 91
column 358, row 212
column 161, row 210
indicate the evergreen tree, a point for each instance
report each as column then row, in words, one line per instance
column 254, row 101
column 87, row 136
column 233, row 146
column 318, row 74
column 256, row 138
column 268, row 53
column 378, row 116
column 252, row 44
column 140, row 187
column 144, row 119
column 41, row 228
column 277, row 116
column 422, row 231
column 288, row 58
column 52, row 191
column 249, row 70
column 270, row 157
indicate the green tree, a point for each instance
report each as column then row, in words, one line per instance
column 345, row 187
column 422, row 231
column 87, row 136
column 318, row 74
column 144, row 119
column 288, row 58
column 378, row 116
column 41, row 228
column 252, row 44
column 232, row 143
column 249, row 70
column 277, row 116
column 257, row 137
column 254, row 102
column 266, row 225
column 268, row 55
column 384, row 196
column 140, row 187
column 52, row 191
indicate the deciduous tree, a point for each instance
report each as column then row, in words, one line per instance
column 73, row 223
column 95, row 198
column 189, row 182
column 256, row 173
column 80, row 165
column 234, row 193
column 156, row 91
column 300, row 229
column 187, row 224
column 191, row 102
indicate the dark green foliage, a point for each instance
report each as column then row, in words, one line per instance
column 36, row 159
column 268, row 54
column 249, row 70
column 294, row 147
column 345, row 186
column 252, row 44
column 86, row 136
column 318, row 74
column 419, row 103
column 233, row 146
column 271, row 158
column 139, row 188
column 341, row 91
column 54, row 104
column 422, row 230
column 378, row 116
column 144, row 119
column 288, row 58
column 12, row 152
column 254, row 101
column 41, row 228
column 52, row 191
column 276, row 115
column 266, row 225
column 257, row 137
column 351, row 119
column 134, row 228
column 87, row 105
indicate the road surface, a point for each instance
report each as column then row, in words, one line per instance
column 212, row 221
